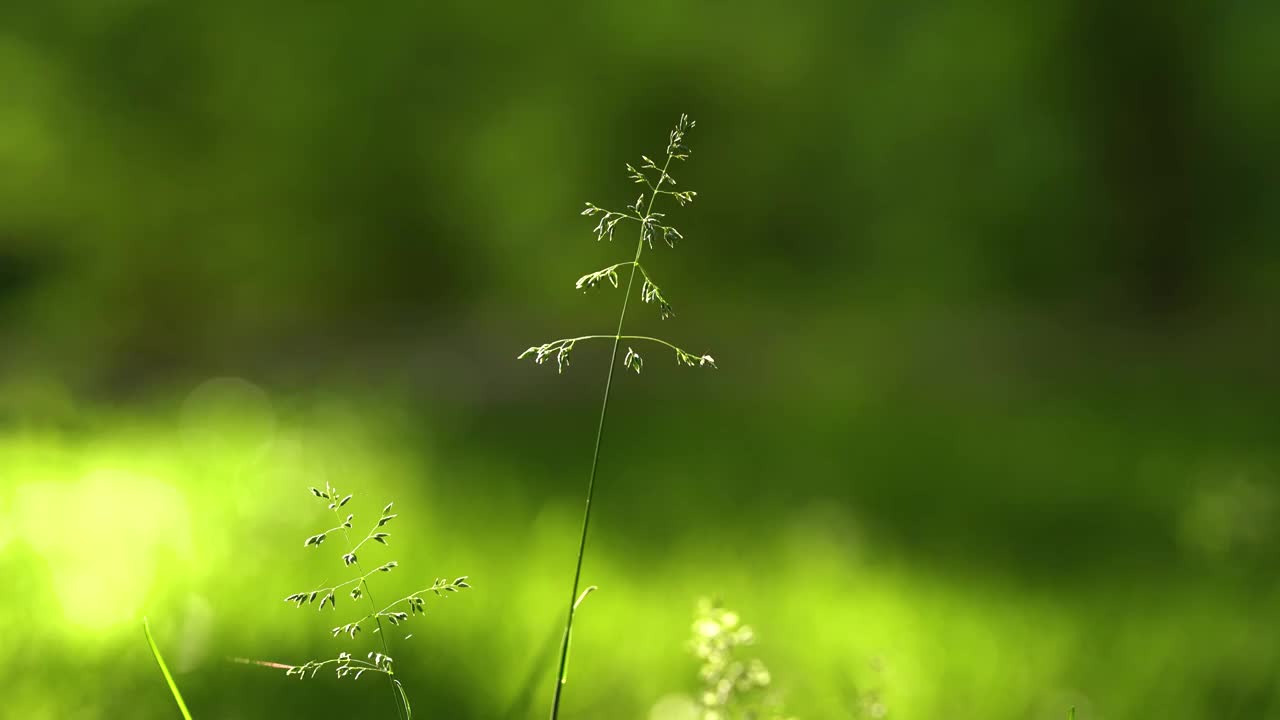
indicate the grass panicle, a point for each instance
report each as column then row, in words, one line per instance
column 651, row 225
column 733, row 688
column 356, row 588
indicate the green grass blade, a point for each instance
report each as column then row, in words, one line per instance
column 404, row 698
column 564, row 676
column 155, row 651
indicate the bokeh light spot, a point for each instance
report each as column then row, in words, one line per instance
column 674, row 707
column 100, row 538
column 228, row 417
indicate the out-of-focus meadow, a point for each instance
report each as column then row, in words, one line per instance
column 993, row 289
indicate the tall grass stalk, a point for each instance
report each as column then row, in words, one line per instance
column 658, row 182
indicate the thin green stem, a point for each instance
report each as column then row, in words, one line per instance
column 368, row 536
column 417, row 593
column 164, row 669
column 396, row 694
column 660, row 341
column 651, row 339
column 595, row 456
column 352, row 581
column 361, row 664
column 645, row 273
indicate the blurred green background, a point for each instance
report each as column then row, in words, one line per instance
column 993, row 288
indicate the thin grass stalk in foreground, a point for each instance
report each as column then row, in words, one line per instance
column 168, row 678
column 650, row 226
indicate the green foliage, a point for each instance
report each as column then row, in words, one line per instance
column 395, row 613
column 659, row 182
column 733, row 688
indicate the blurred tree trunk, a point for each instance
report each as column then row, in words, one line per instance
column 1140, row 103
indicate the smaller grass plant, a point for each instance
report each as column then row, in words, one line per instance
column 733, row 687
column 357, row 588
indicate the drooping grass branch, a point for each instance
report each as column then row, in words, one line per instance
column 560, row 349
column 659, row 182
column 378, row 662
